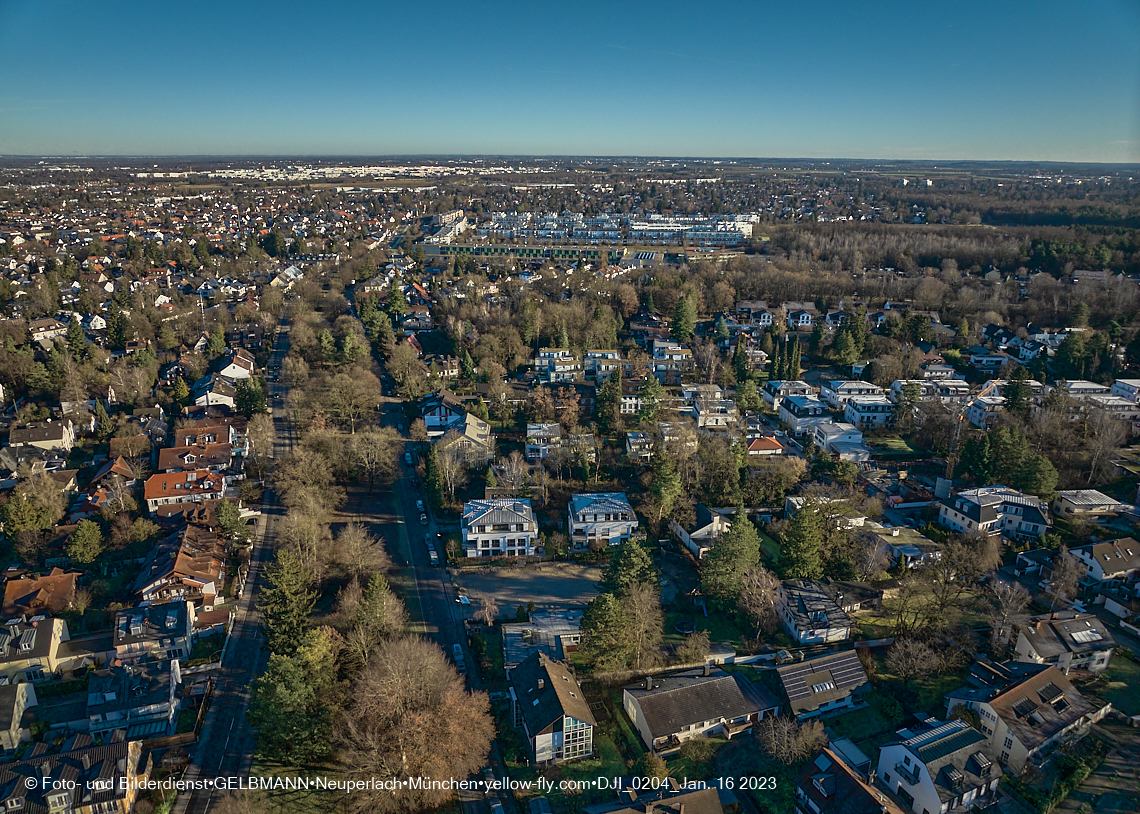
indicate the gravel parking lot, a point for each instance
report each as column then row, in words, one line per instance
column 549, row 586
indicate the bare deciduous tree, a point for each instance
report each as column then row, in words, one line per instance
column 361, row 553
column 452, row 462
column 374, row 454
column 411, row 716
column 911, row 658
column 512, row 473
column 488, row 610
column 759, row 598
column 788, row 742
column 1067, row 572
column 642, row 605
column 1008, row 601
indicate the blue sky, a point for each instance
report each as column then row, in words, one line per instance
column 1002, row 79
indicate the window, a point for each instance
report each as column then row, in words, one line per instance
column 1008, row 742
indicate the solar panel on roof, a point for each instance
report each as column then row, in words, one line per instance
column 1024, row 708
column 1050, row 693
column 948, row 745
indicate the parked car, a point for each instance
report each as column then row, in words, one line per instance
column 419, row 505
column 408, row 458
column 423, row 519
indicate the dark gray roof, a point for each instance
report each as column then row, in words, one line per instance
column 956, row 755
column 1070, row 633
column 151, row 623
column 679, row 699
column 77, row 770
column 559, row 694
column 806, row 683
column 811, row 606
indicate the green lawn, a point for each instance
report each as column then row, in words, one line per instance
column 769, row 548
column 297, row 801
column 891, row 445
column 722, row 626
column 1122, row 678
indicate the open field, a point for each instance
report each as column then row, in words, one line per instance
column 550, row 586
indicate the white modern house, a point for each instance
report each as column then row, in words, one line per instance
column 836, row 394
column 869, row 412
column 939, row 767
column 602, row 516
column 800, row 414
column 499, row 527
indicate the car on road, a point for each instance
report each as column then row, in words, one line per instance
column 496, row 806
column 420, row 505
column 423, row 519
column 463, row 599
column 415, row 481
column 433, row 557
column 457, row 655
column 408, row 458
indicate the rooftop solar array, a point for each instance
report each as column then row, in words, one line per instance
column 1050, row 693
column 1086, row 636
column 1024, row 708
column 844, row 668
column 961, row 739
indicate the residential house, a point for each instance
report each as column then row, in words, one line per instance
column 556, row 365
column 907, row 546
column 707, row 527
column 599, row 365
column 763, row 446
column 80, row 779
column 157, row 632
column 240, row 365
column 754, row 312
column 551, row 709
column 823, row 684
column 188, row 486
column 869, row 412
column 1117, row 560
column 1067, row 640
column 214, row 390
column 15, row 699
column 671, row 798
column 441, row 411
column 995, row 510
column 836, row 394
column 189, row 564
column 984, row 411
column 842, row 440
column 669, row 360
column 1025, row 709
column 716, row 414
column 671, row 708
column 498, row 528
column 33, row 594
column 46, row 329
column 800, row 414
column 34, row 649
column 541, row 440
column 827, row 784
column 800, row 320
column 1085, row 503
column 50, row 435
column 214, row 457
column 775, row 391
column 472, row 436
column 940, row 767
column 639, row 447
column 142, row 699
column 809, row 614
column 602, row 517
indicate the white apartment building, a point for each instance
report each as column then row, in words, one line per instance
column 500, row 527
column 869, row 412
column 836, row 394
column 603, row 516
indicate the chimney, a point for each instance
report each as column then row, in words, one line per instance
column 541, row 683
column 708, row 669
column 86, row 760
column 648, row 683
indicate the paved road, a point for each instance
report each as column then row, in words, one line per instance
column 227, row 741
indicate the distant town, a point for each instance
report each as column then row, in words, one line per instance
column 544, row 485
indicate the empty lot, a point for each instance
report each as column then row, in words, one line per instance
column 550, row 586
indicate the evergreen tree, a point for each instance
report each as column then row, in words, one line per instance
column 117, row 330
column 563, row 340
column 77, row 340
column 467, row 366
column 794, row 361
column 650, row 307
column 1017, row 393
column 815, row 344
column 651, row 395
column 747, row 396
column 721, row 328
column 737, row 551
column 216, row 343
column 665, row 484
column 286, row 602
column 397, row 302
column 609, row 403
column 740, row 363
column 328, row 346
column 86, row 542
column 606, row 642
column 250, row 397
column 800, row 554
column 228, row 516
column 104, row 426
column 629, row 565
column 684, row 320
column 180, row 393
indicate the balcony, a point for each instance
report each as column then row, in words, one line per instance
column 907, row 773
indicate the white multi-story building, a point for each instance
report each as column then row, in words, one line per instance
column 500, row 527
column 557, row 365
column 800, row 414
column 995, row 510
column 939, row 767
column 603, row 516
column 869, row 412
column 1127, row 388
column 599, row 365
column 836, row 394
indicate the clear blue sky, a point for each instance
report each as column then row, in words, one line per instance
column 1001, row 79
